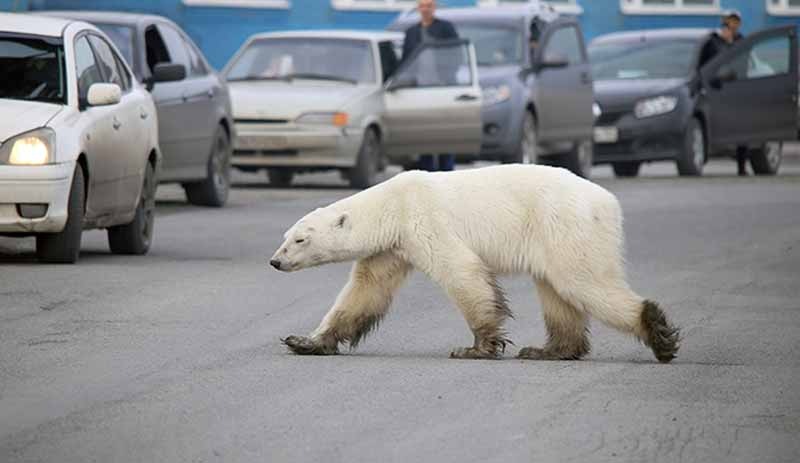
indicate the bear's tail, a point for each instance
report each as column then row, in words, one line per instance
column 658, row 333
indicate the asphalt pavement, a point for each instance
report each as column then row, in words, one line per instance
column 175, row 356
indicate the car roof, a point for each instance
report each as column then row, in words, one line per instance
column 332, row 34
column 654, row 34
column 502, row 14
column 33, row 24
column 109, row 17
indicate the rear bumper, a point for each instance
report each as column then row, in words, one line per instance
column 43, row 185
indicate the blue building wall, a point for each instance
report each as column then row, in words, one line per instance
column 219, row 31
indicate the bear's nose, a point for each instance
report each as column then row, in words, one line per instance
column 275, row 263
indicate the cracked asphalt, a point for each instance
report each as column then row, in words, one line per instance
column 175, row 356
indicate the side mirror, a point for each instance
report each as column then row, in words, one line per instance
column 553, row 61
column 166, row 72
column 723, row 76
column 405, row 81
column 102, row 94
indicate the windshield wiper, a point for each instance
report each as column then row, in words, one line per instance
column 309, row 75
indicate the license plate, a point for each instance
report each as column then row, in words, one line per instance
column 263, row 142
column 606, row 134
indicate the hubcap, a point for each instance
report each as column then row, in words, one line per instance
column 529, row 141
column 698, row 147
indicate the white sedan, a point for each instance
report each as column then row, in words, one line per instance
column 78, row 139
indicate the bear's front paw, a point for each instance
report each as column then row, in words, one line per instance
column 531, row 353
column 473, row 353
column 302, row 345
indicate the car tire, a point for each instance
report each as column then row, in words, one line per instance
column 64, row 247
column 365, row 173
column 578, row 161
column 528, row 145
column 280, row 177
column 692, row 156
column 213, row 191
column 766, row 160
column 134, row 238
column 626, row 169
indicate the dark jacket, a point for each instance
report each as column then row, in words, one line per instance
column 715, row 45
column 439, row 29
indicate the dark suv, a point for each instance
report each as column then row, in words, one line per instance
column 537, row 101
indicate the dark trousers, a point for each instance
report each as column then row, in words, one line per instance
column 429, row 162
column 742, row 155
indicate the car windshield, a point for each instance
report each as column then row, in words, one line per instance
column 33, row 68
column 664, row 59
column 122, row 36
column 494, row 45
column 305, row 58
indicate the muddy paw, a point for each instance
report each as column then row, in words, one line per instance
column 302, row 345
column 473, row 353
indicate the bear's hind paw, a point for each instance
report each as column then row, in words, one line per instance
column 473, row 353
column 302, row 345
column 536, row 353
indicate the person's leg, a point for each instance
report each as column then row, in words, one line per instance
column 741, row 159
column 426, row 162
column 446, row 162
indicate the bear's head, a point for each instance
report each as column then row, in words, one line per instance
column 321, row 237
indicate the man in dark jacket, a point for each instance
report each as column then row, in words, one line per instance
column 720, row 41
column 429, row 29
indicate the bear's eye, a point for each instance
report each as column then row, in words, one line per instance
column 299, row 241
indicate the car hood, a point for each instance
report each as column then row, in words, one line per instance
column 288, row 100
column 626, row 92
column 494, row 75
column 17, row 116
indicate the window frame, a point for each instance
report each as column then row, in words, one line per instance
column 84, row 35
column 374, row 5
column 637, row 7
column 564, row 6
column 782, row 9
column 117, row 62
column 270, row 4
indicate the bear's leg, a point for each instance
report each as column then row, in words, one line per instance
column 358, row 309
column 474, row 289
column 567, row 328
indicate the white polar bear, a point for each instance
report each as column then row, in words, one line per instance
column 463, row 229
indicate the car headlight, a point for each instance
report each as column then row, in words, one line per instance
column 33, row 148
column 493, row 94
column 655, row 106
column 336, row 119
column 597, row 111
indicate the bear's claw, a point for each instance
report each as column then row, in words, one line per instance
column 302, row 345
column 473, row 353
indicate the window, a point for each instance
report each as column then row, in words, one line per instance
column 389, row 61
column 377, row 5
column 86, row 68
column 562, row 6
column 175, row 44
column 122, row 36
column 107, row 61
column 438, row 66
column 33, row 68
column 279, row 4
column 766, row 59
column 670, row 6
column 783, row 7
column 156, row 50
column 198, row 66
column 565, row 42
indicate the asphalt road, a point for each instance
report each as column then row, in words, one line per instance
column 175, row 356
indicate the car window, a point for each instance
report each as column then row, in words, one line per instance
column 108, row 62
column 86, row 67
column 175, row 45
column 439, row 66
column 769, row 58
column 32, row 68
column 651, row 59
column 122, row 37
column 197, row 66
column 495, row 45
column 155, row 49
column 565, row 42
column 125, row 76
column 389, row 59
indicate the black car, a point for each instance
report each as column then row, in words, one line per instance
column 194, row 111
column 657, row 103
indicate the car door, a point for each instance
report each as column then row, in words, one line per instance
column 99, row 135
column 188, row 126
column 432, row 103
column 130, row 130
column 563, row 93
column 751, row 89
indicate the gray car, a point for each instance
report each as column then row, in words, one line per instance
column 195, row 126
column 537, row 102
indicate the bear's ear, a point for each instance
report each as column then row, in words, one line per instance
column 343, row 220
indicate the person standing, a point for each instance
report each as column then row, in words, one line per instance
column 429, row 29
column 721, row 40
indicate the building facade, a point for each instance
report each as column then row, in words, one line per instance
column 220, row 26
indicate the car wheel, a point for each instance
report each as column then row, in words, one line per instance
column 626, row 169
column 528, row 147
column 213, row 191
column 279, row 177
column 579, row 161
column 692, row 157
column 64, row 247
column 365, row 173
column 766, row 160
column 135, row 237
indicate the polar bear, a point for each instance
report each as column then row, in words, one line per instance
column 463, row 229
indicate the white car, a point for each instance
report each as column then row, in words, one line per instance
column 78, row 139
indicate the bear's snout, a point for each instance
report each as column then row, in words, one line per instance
column 275, row 263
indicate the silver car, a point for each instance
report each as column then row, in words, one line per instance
column 319, row 100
